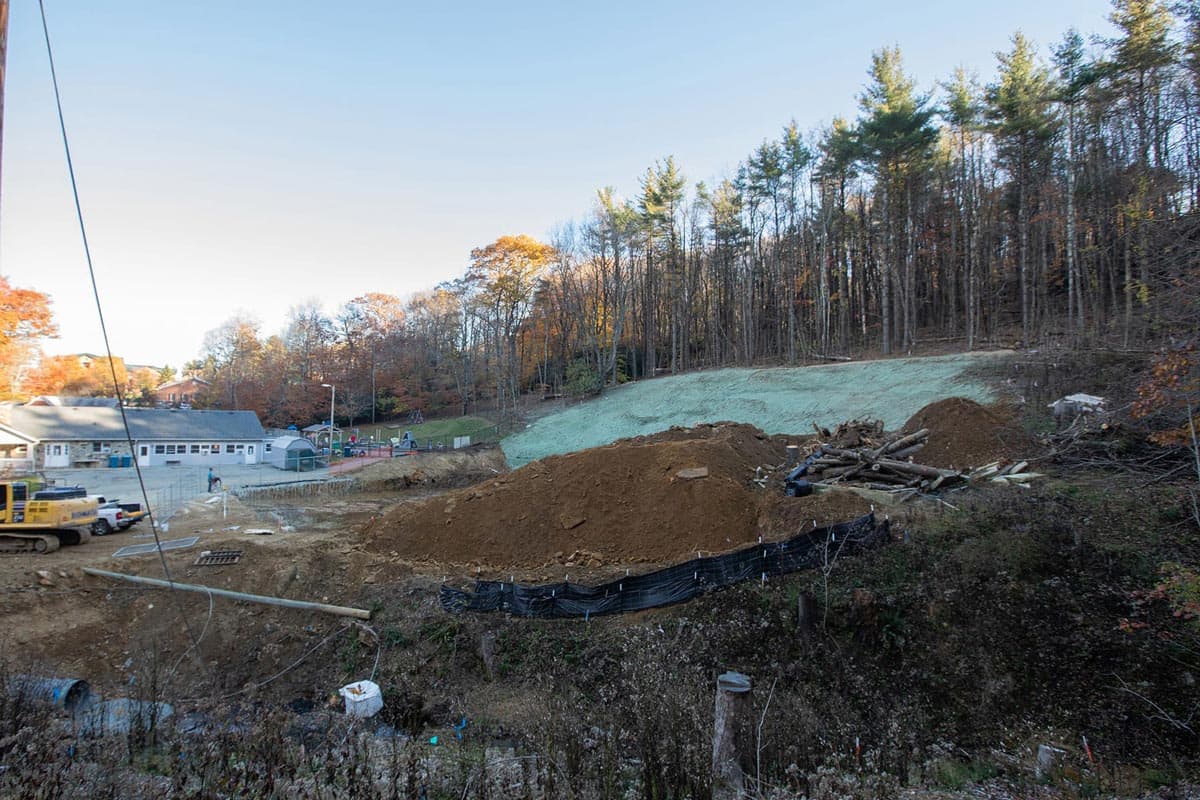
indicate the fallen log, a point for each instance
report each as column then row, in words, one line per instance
column 902, row 442
column 837, row 472
column 917, row 469
column 900, row 455
column 851, row 455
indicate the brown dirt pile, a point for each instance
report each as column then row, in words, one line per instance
column 619, row 504
column 441, row 469
column 964, row 434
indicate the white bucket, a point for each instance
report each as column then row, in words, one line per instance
column 363, row 698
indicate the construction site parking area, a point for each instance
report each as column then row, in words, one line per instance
column 167, row 487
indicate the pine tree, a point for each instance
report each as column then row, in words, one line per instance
column 1022, row 120
column 896, row 139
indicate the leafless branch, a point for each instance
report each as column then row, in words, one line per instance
column 1160, row 713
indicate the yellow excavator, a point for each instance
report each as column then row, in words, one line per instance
column 40, row 520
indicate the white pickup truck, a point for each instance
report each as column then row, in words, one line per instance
column 114, row 516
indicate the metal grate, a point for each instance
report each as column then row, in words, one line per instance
column 218, row 558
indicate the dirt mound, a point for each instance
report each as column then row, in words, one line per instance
column 446, row 469
column 964, row 434
column 656, row 499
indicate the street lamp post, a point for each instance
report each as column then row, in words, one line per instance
column 332, row 397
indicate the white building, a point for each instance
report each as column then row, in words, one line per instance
column 49, row 437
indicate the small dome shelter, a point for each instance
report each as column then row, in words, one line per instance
column 293, row 453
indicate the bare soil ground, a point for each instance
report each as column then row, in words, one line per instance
column 301, row 547
column 628, row 504
column 436, row 515
column 456, row 514
column 964, row 434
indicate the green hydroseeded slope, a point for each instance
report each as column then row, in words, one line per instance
column 778, row 400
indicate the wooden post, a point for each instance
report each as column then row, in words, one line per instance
column 806, row 614
column 488, row 645
column 3, row 71
column 733, row 691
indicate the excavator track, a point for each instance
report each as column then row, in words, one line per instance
column 70, row 536
column 22, row 543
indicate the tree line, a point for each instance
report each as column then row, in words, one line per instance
column 1055, row 203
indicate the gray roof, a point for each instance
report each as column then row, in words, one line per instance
column 64, row 400
column 180, row 382
column 73, row 424
column 292, row 443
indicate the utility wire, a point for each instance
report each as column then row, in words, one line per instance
column 103, row 327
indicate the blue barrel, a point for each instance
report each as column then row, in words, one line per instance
column 114, row 461
column 126, row 461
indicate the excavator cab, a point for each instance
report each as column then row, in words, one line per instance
column 12, row 501
column 20, row 493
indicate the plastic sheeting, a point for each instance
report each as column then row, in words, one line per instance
column 674, row 584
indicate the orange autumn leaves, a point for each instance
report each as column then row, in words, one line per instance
column 25, row 318
column 1173, row 383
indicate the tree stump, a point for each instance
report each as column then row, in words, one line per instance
column 806, row 614
column 487, row 651
column 733, row 692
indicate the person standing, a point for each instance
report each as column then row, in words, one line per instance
column 211, row 478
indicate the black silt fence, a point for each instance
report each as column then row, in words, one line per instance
column 674, row 584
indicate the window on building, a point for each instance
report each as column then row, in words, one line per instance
column 241, row 448
column 159, row 449
column 250, row 449
column 195, row 448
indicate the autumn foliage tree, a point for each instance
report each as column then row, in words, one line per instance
column 25, row 319
column 73, row 376
column 504, row 278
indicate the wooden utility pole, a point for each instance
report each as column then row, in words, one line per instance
column 3, row 60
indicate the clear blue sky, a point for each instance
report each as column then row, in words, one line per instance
column 249, row 156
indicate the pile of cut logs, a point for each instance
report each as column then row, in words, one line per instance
column 877, row 461
column 858, row 452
